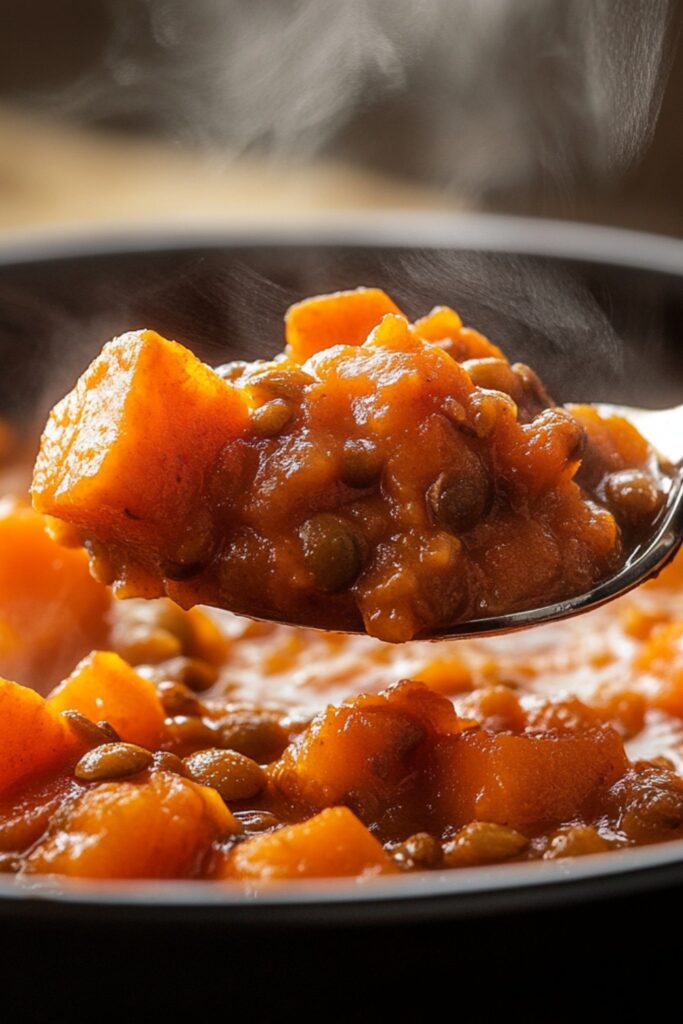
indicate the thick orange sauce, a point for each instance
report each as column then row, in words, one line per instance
column 396, row 483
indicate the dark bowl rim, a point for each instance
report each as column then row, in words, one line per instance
column 530, row 236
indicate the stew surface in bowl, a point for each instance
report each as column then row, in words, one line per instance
column 197, row 744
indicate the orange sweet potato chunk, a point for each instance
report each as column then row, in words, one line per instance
column 160, row 828
column 661, row 658
column 33, row 736
column 115, row 462
column 52, row 612
column 444, row 324
column 104, row 686
column 342, row 318
column 359, row 752
column 522, row 779
column 332, row 844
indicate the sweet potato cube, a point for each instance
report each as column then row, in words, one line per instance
column 661, row 658
column 52, row 612
column 332, row 844
column 444, row 324
column 33, row 736
column 123, row 456
column 104, row 686
column 360, row 751
column 342, row 318
column 522, row 779
column 161, row 828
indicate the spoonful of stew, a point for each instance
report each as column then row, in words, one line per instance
column 400, row 479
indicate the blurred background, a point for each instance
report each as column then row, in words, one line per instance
column 114, row 111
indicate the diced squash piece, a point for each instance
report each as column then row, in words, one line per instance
column 342, row 318
column 207, row 640
column 613, row 444
column 444, row 324
column 52, row 612
column 360, row 751
column 332, row 844
column 33, row 736
column 162, row 828
column 122, row 455
column 524, row 779
column 104, row 686
column 662, row 659
column 445, row 674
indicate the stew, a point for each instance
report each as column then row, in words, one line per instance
column 378, row 476
column 141, row 740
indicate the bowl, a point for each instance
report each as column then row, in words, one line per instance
column 597, row 311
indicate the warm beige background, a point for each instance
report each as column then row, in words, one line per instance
column 55, row 174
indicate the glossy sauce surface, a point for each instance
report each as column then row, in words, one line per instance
column 378, row 476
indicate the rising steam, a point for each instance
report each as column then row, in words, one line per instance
column 476, row 95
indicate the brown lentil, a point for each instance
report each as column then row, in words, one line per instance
column 233, row 775
column 195, row 673
column 272, row 417
column 483, row 842
column 361, row 463
column 420, row 851
column 633, row 496
column 165, row 761
column 534, row 397
column 281, row 382
column 93, row 734
column 459, row 499
column 257, row 735
column 112, row 761
column 178, row 699
column 574, row 841
column 494, row 375
column 189, row 732
column 331, row 552
column 108, row 730
column 255, row 822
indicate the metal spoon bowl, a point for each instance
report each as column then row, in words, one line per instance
column 664, row 429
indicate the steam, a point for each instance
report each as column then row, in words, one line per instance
column 482, row 97
column 474, row 95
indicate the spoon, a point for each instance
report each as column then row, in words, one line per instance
column 663, row 428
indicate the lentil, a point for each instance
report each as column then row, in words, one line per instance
column 483, row 842
column 112, row 761
column 233, row 775
column 331, row 552
column 272, row 417
column 93, row 734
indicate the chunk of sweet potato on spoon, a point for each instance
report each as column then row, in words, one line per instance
column 342, row 318
column 115, row 462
